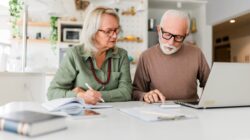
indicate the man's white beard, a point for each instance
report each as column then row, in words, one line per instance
column 168, row 49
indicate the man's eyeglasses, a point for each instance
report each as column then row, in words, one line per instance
column 167, row 36
column 110, row 33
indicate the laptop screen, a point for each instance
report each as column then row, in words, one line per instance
column 227, row 85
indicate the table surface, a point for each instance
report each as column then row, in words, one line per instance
column 210, row 124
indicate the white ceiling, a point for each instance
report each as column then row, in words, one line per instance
column 241, row 21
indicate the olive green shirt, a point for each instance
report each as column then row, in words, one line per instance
column 75, row 71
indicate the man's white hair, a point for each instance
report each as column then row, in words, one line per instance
column 91, row 25
column 176, row 13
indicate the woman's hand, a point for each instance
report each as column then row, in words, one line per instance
column 90, row 96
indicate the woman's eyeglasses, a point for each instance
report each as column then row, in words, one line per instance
column 110, row 33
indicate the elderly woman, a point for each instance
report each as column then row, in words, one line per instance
column 96, row 69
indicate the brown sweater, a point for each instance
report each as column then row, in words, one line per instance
column 174, row 75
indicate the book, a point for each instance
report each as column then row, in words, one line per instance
column 30, row 123
column 71, row 105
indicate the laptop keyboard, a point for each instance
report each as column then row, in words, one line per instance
column 189, row 102
column 193, row 102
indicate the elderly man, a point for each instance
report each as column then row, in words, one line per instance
column 170, row 69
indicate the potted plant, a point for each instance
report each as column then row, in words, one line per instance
column 54, row 33
column 15, row 9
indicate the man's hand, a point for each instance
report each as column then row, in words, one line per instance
column 154, row 96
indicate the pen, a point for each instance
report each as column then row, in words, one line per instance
column 165, row 116
column 171, row 117
column 89, row 87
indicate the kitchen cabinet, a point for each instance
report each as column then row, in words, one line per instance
column 33, row 23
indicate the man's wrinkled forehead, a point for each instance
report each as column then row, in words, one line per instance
column 175, row 25
column 172, row 17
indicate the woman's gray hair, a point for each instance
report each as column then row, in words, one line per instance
column 91, row 25
column 176, row 13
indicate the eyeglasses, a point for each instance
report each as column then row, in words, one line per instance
column 168, row 36
column 110, row 33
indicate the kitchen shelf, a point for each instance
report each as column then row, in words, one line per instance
column 38, row 24
column 39, row 40
column 33, row 40
column 61, row 22
column 130, row 39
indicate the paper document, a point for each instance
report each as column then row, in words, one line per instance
column 155, row 113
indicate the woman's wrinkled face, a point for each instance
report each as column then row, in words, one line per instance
column 106, row 36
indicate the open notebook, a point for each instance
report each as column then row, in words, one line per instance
column 71, row 105
column 227, row 86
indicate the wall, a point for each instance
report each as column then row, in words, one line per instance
column 42, row 10
column 233, row 33
column 240, row 47
column 204, row 36
column 4, row 36
column 221, row 10
column 3, row 10
column 4, row 26
column 155, row 14
column 218, row 11
column 235, row 36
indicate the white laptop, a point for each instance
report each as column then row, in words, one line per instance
column 21, row 87
column 228, row 85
